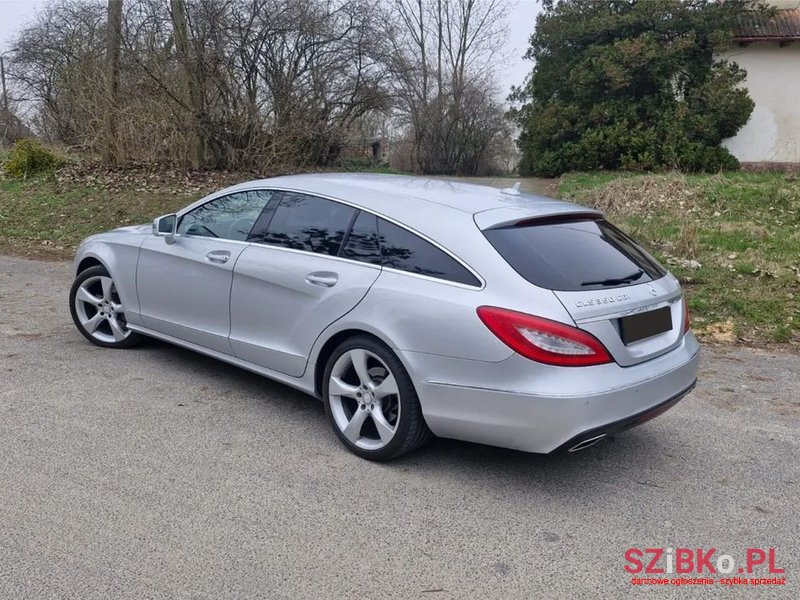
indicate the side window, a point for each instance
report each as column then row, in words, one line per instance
column 229, row 217
column 405, row 251
column 259, row 230
column 304, row 222
column 362, row 241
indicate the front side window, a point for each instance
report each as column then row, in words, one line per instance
column 229, row 217
column 402, row 250
column 309, row 223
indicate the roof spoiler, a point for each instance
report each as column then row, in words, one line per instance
column 517, row 216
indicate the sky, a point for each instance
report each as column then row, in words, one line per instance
column 521, row 18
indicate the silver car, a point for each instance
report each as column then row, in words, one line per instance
column 410, row 306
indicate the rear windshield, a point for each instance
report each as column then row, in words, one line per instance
column 570, row 255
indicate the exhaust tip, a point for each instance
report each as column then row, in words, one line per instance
column 583, row 444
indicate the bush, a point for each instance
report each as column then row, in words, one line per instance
column 29, row 157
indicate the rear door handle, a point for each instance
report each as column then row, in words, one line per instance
column 219, row 257
column 322, row 278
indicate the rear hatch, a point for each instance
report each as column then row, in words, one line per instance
column 608, row 284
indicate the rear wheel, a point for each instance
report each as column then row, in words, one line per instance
column 97, row 310
column 371, row 402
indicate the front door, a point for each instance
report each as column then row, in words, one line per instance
column 184, row 287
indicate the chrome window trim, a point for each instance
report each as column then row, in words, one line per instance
column 357, row 207
column 366, row 264
column 463, row 286
column 213, row 239
column 315, row 254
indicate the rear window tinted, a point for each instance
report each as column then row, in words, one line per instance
column 405, row 251
column 574, row 255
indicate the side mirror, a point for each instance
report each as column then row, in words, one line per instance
column 166, row 227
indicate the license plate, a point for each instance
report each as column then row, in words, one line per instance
column 645, row 325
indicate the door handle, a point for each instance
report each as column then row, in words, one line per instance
column 219, row 257
column 322, row 278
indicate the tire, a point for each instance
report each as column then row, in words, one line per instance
column 362, row 413
column 97, row 310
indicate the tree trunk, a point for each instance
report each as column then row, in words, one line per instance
column 110, row 147
column 191, row 91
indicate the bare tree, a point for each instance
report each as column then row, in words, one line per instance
column 58, row 61
column 442, row 55
column 250, row 83
column 191, row 84
column 113, row 48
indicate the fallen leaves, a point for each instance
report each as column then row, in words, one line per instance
column 721, row 332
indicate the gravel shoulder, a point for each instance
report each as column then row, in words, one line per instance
column 159, row 473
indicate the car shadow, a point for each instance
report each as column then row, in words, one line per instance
column 628, row 457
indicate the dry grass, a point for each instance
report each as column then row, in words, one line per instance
column 636, row 196
column 733, row 240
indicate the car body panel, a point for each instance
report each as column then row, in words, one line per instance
column 184, row 294
column 304, row 383
column 118, row 251
column 599, row 311
column 422, row 314
column 526, row 406
column 277, row 311
column 528, row 207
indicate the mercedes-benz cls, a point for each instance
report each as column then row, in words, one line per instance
column 409, row 306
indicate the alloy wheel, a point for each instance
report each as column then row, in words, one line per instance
column 100, row 311
column 364, row 399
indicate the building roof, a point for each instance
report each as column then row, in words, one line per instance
column 783, row 26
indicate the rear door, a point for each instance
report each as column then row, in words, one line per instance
column 609, row 285
column 304, row 270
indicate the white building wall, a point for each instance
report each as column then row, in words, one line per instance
column 773, row 79
column 783, row 4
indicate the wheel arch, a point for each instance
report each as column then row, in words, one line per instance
column 93, row 255
column 119, row 261
column 88, row 262
column 333, row 340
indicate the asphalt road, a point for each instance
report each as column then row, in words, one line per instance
column 158, row 473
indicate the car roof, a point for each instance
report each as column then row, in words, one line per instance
column 423, row 203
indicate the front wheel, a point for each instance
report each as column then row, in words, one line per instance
column 371, row 402
column 97, row 310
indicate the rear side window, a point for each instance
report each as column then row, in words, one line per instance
column 572, row 255
column 405, row 251
column 309, row 223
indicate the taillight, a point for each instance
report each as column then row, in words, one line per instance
column 544, row 340
column 687, row 320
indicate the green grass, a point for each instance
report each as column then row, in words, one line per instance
column 46, row 217
column 743, row 229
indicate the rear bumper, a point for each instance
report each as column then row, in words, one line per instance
column 519, row 404
column 592, row 436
